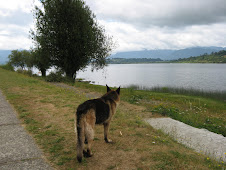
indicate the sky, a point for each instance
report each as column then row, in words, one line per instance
column 134, row 25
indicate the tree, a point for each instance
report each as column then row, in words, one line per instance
column 20, row 59
column 28, row 59
column 40, row 36
column 69, row 31
column 40, row 60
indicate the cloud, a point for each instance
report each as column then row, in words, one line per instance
column 131, row 38
column 17, row 42
column 168, row 24
column 14, row 37
column 15, row 17
column 168, row 13
column 15, row 22
column 135, row 25
column 11, row 5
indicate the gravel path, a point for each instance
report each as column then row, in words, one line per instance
column 201, row 140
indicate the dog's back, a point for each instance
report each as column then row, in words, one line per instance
column 98, row 105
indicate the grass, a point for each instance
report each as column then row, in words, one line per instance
column 218, row 95
column 48, row 111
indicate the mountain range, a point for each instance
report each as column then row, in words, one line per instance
column 168, row 54
column 163, row 54
column 4, row 56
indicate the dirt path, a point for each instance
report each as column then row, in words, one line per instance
column 89, row 95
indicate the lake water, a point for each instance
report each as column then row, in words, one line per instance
column 207, row 77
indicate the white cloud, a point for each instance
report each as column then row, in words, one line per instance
column 15, row 21
column 135, row 25
column 171, row 24
column 11, row 5
column 130, row 37
column 14, row 37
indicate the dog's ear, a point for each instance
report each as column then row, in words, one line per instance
column 108, row 89
column 118, row 90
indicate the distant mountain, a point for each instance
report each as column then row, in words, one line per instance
column 152, row 54
column 4, row 56
column 168, row 54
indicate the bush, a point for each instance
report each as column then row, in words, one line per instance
column 55, row 77
column 25, row 72
column 7, row 67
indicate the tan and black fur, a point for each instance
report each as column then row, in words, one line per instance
column 91, row 112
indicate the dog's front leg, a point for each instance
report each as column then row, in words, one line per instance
column 106, row 128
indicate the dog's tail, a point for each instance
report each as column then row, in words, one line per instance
column 80, row 139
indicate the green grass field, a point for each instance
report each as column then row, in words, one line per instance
column 48, row 111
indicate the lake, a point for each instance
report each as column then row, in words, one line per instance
column 207, row 77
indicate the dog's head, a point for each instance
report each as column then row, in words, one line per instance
column 108, row 90
column 113, row 94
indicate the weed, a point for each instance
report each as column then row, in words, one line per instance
column 25, row 114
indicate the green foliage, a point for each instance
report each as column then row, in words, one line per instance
column 58, row 77
column 25, row 72
column 218, row 95
column 171, row 111
column 7, row 66
column 54, row 77
column 20, row 59
column 40, row 60
column 218, row 57
column 16, row 59
column 68, row 34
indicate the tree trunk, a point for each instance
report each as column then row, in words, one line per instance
column 43, row 71
column 70, row 76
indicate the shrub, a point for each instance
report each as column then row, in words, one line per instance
column 7, row 67
column 55, row 77
column 25, row 72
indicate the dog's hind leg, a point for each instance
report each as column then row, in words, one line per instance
column 80, row 142
column 106, row 128
column 89, row 131
column 89, row 139
column 89, row 152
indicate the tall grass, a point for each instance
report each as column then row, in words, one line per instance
column 218, row 95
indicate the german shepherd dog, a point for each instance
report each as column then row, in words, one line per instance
column 91, row 112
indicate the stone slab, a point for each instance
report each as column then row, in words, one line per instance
column 18, row 149
column 201, row 140
column 15, row 144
